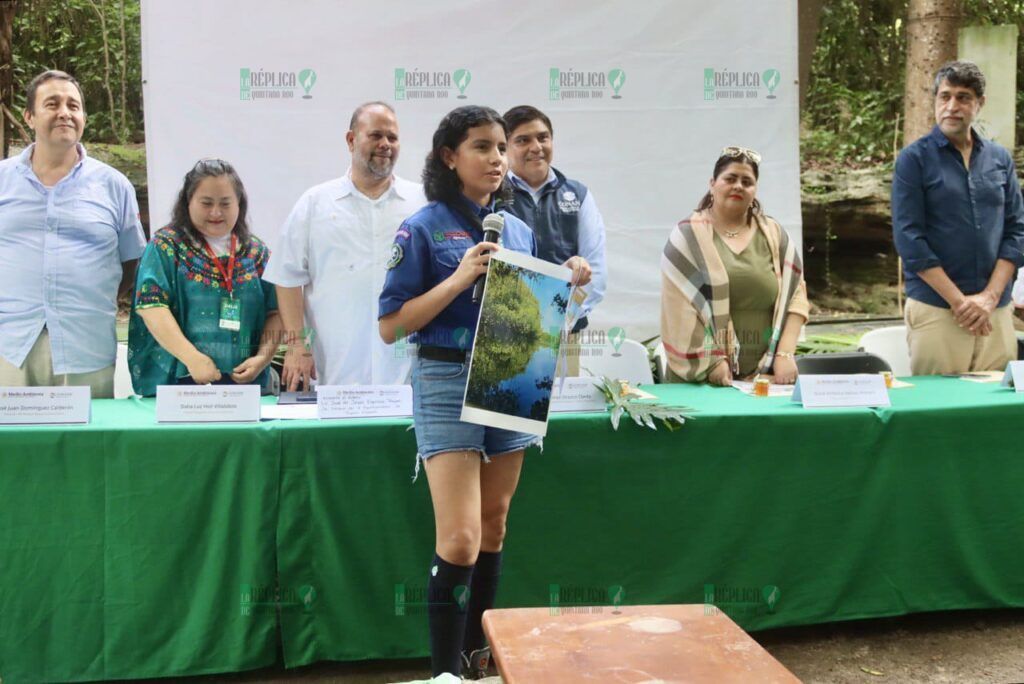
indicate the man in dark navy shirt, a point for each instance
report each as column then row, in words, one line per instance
column 958, row 224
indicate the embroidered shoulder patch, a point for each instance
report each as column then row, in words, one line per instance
column 396, row 255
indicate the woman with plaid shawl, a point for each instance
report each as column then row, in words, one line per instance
column 733, row 298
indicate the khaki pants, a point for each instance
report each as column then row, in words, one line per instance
column 37, row 371
column 938, row 345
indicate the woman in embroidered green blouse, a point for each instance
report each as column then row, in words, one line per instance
column 202, row 312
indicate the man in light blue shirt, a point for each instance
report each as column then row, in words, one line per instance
column 67, row 224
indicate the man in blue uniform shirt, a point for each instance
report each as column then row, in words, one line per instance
column 958, row 224
column 561, row 211
column 68, row 224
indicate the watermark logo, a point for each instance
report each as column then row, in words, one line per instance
column 728, row 84
column 261, row 597
column 566, row 599
column 617, row 78
column 740, row 600
column 462, row 79
column 616, row 336
column 426, row 84
column 263, row 84
column 771, row 79
column 411, row 598
column 307, row 79
column 579, row 84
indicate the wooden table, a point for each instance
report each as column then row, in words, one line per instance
column 629, row 644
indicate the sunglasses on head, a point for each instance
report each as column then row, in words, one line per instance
column 736, row 152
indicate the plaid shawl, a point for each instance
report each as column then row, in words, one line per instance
column 695, row 325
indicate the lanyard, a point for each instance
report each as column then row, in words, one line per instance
column 228, row 284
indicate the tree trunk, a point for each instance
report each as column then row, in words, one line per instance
column 808, row 20
column 7, row 9
column 931, row 42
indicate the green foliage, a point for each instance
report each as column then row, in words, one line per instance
column 852, row 115
column 827, row 344
column 68, row 35
column 509, row 332
column 643, row 411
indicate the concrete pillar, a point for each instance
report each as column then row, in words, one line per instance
column 994, row 50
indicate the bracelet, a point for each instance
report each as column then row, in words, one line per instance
column 784, row 355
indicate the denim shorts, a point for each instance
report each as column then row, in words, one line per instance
column 437, row 391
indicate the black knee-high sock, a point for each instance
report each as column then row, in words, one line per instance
column 482, row 593
column 447, row 590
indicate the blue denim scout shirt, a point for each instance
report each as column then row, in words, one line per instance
column 427, row 249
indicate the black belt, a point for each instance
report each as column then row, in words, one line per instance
column 442, row 354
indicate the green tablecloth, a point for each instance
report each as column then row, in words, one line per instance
column 125, row 544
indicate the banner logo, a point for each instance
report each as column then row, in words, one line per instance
column 260, row 84
column 462, row 79
column 771, row 81
column 307, row 78
column 724, row 84
column 573, row 84
column 414, row 84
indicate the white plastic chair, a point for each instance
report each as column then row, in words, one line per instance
column 122, row 377
column 661, row 360
column 891, row 344
column 628, row 362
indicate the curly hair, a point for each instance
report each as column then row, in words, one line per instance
column 210, row 168
column 441, row 184
column 723, row 162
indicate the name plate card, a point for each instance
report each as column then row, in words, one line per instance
column 1014, row 376
column 207, row 403
column 364, row 401
column 841, row 391
column 577, row 395
column 45, row 405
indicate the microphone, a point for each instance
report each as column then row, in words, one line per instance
column 493, row 225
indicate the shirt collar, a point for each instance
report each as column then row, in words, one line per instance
column 942, row 141
column 526, row 186
column 476, row 208
column 25, row 159
column 348, row 187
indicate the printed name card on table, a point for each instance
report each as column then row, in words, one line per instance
column 364, row 401
column 841, row 391
column 207, row 403
column 1014, row 376
column 577, row 395
column 45, row 405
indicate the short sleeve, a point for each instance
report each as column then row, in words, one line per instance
column 289, row 261
column 408, row 268
column 155, row 282
column 131, row 240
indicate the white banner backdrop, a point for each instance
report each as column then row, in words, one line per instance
column 642, row 96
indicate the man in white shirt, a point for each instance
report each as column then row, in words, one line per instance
column 330, row 263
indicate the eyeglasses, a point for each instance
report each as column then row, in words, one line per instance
column 740, row 152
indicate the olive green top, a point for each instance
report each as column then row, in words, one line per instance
column 753, row 289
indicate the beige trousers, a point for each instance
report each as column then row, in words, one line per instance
column 37, row 371
column 938, row 345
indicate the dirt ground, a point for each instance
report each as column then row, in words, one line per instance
column 961, row 647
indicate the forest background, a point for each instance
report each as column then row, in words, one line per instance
column 865, row 70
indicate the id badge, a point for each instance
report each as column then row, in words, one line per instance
column 230, row 314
